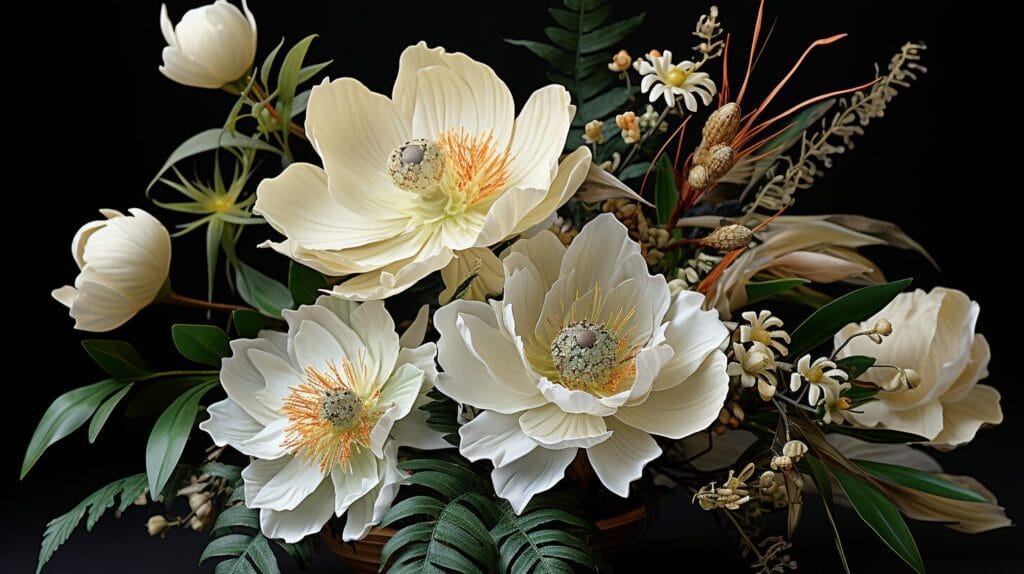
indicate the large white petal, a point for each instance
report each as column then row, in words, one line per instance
column 353, row 482
column 685, row 408
column 572, row 171
column 556, row 429
column 401, row 390
column 621, row 459
column 963, row 418
column 367, row 512
column 242, row 381
column 520, row 480
column 280, row 376
column 290, row 486
column 268, row 443
column 495, row 352
column 572, row 401
column 693, row 334
column 355, row 130
column 229, row 424
column 258, row 474
column 413, row 429
column 395, row 277
column 508, row 211
column 540, row 132
column 315, row 348
column 496, row 437
column 479, row 261
column 598, row 252
column 417, row 331
column 307, row 518
column 542, row 252
column 376, row 328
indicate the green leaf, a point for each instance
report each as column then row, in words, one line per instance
column 169, row 434
column 268, row 63
column 267, row 295
column 205, row 344
column 228, row 472
column 882, row 516
column 556, row 57
column 540, row 539
column 821, row 478
column 302, row 551
column 59, row 529
column 103, row 413
column 307, row 73
column 855, row 365
column 305, row 284
column 248, row 324
column 875, row 435
column 288, row 79
column 760, row 290
column 918, row 480
column 210, row 140
column 858, row 394
column 634, row 171
column 605, row 104
column 850, row 308
column 609, row 35
column 118, row 358
column 237, row 516
column 65, row 415
column 154, row 396
column 666, row 194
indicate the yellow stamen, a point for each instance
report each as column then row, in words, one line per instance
column 675, row 77
column 311, row 434
column 474, row 168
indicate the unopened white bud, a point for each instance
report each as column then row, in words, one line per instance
column 794, row 449
column 157, row 525
column 781, row 463
column 883, row 328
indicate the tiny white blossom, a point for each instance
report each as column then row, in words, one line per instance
column 662, row 78
column 754, row 365
column 765, row 328
column 822, row 375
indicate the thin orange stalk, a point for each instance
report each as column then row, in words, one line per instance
column 753, row 49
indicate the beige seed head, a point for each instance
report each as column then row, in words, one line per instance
column 720, row 161
column 728, row 238
column 722, row 125
column 698, row 177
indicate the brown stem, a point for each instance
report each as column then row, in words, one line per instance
column 292, row 127
column 181, row 300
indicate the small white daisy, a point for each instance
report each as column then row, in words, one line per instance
column 662, row 78
column 754, row 365
column 822, row 374
column 765, row 328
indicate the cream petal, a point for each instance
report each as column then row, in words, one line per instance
column 315, row 348
column 229, row 424
column 376, row 328
column 481, row 261
column 465, row 377
column 65, row 295
column 507, row 212
column 649, row 363
column 258, row 474
column 962, row 516
column 355, row 482
column 414, row 431
column 540, row 132
column 184, row 70
column 309, row 517
column 417, row 331
column 685, row 408
column 290, row 485
column 543, row 252
column 279, row 375
column 370, row 508
column 412, row 60
column 401, row 390
column 621, row 459
column 570, row 401
column 99, row 308
column 901, row 454
column 818, row 267
column 923, row 420
column 522, row 300
column 693, row 334
column 423, row 358
column 520, row 480
column 268, row 443
column 598, row 252
column 355, row 130
column 556, row 429
column 167, row 27
column 976, row 370
column 396, row 277
column 496, row 353
column 241, row 380
column 298, row 203
column 572, row 171
column 963, row 418
column 495, row 437
column 466, row 99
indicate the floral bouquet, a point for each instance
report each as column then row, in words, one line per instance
column 507, row 330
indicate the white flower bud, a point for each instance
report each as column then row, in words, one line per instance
column 794, row 449
column 157, row 525
column 781, row 463
column 883, row 328
column 212, row 46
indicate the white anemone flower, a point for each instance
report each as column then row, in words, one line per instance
column 408, row 181
column 586, row 350
column 662, row 78
column 124, row 263
column 822, row 375
column 211, row 46
column 321, row 410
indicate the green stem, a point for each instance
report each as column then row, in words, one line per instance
column 181, row 300
column 179, row 373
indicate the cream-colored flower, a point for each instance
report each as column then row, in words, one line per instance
column 480, row 262
column 754, row 365
column 662, row 78
column 442, row 166
column 629, row 126
column 586, row 350
column 593, row 132
column 211, row 46
column 321, row 410
column 765, row 328
column 124, row 262
column 822, row 375
column 808, row 247
column 836, row 407
column 963, row 516
column 934, row 336
column 620, row 61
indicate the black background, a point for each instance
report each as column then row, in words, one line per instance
column 97, row 120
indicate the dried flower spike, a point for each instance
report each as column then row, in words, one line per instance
column 727, row 237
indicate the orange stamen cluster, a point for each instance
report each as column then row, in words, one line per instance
column 311, row 434
column 474, row 167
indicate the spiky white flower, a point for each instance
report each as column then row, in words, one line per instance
column 662, row 78
column 766, row 328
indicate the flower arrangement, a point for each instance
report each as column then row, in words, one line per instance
column 506, row 331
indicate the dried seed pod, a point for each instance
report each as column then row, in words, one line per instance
column 719, row 162
column 722, row 125
column 728, row 238
column 698, row 177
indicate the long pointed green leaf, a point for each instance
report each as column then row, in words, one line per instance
column 918, row 480
column 610, row 35
column 65, row 415
column 169, row 434
column 821, row 478
column 103, row 413
column 882, row 516
column 666, row 194
column 854, row 306
column 758, row 291
column 210, row 140
column 118, row 358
